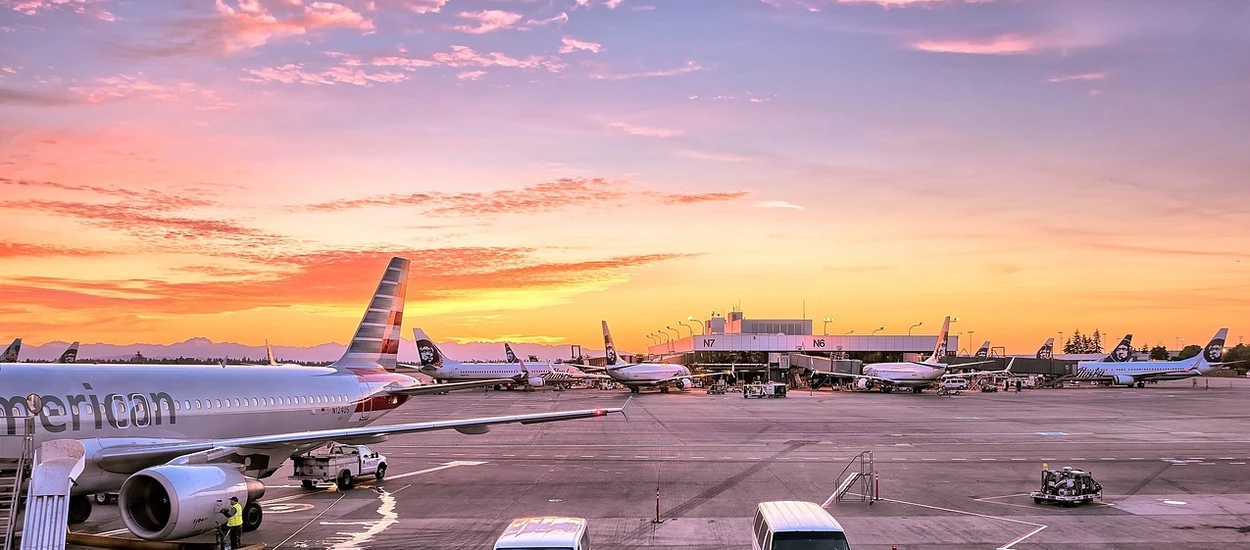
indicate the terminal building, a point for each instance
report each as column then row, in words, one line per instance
column 781, row 349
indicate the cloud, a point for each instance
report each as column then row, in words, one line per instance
column 815, row 5
column 1007, row 44
column 713, row 155
column 487, row 21
column 470, row 75
column 35, row 99
column 464, row 56
column 649, row 131
column 419, row 6
column 35, row 7
column 26, row 250
column 551, row 196
column 569, row 44
column 688, row 67
column 1079, row 77
column 778, row 204
column 250, row 24
column 124, row 86
column 556, row 20
column 292, row 73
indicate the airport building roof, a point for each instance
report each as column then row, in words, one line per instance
column 737, row 333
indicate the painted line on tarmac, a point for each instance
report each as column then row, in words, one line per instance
column 1039, row 527
column 437, row 468
column 114, row 532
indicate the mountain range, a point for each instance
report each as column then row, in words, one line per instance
column 203, row 348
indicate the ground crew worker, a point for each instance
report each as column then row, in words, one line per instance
column 235, row 523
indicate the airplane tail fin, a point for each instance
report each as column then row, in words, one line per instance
column 70, row 355
column 11, row 353
column 609, row 348
column 376, row 342
column 1123, row 351
column 511, row 357
column 983, row 351
column 1047, row 351
column 430, row 356
column 269, row 353
column 939, row 350
column 1213, row 353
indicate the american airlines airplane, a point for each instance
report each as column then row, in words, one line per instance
column 173, row 440
column 10, row 353
column 647, row 375
column 1130, row 373
column 917, row 375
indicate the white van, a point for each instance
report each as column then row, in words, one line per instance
column 546, row 533
column 954, row 384
column 796, row 525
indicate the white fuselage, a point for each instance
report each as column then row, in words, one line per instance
column 104, row 405
column 907, row 375
column 451, row 371
column 646, row 374
column 1140, row 370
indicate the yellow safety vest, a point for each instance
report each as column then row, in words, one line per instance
column 237, row 519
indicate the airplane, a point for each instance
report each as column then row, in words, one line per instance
column 11, row 353
column 1123, row 352
column 917, row 375
column 172, row 439
column 552, row 373
column 70, row 355
column 435, row 364
column 983, row 352
column 1047, row 351
column 636, row 376
column 1137, row 373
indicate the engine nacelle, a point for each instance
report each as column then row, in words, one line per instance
column 685, row 383
column 536, row 381
column 1124, row 380
column 863, row 384
column 177, row 501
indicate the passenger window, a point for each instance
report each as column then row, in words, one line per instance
column 218, row 403
column 237, row 403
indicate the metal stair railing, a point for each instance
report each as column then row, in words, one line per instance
column 12, row 480
column 58, row 463
column 865, row 478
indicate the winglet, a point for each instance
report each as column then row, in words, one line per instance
column 269, row 353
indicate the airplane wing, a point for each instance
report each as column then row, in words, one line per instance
column 131, row 458
column 958, row 366
column 976, row 373
column 672, row 379
column 426, row 389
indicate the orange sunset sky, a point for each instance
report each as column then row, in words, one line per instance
column 242, row 169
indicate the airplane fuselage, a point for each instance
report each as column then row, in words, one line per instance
column 1139, row 370
column 906, row 375
column 646, row 374
column 103, row 405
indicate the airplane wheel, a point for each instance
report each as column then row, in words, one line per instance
column 345, row 481
column 252, row 516
column 101, row 498
column 664, row 389
column 79, row 508
column 885, row 389
column 381, row 473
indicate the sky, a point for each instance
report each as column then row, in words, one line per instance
column 242, row 169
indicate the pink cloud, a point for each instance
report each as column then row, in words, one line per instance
column 689, row 67
column 464, row 56
column 569, row 44
column 648, row 131
column 718, row 156
column 292, row 73
column 1102, row 75
column 488, row 21
column 1007, row 44
column 128, row 87
column 249, row 24
column 557, row 20
column 471, row 75
column 416, row 6
column 34, row 7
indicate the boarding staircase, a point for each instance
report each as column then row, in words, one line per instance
column 16, row 454
column 864, row 478
column 57, row 464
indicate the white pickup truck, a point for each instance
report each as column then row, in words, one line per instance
column 341, row 464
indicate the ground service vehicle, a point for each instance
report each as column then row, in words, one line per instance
column 341, row 464
column 952, row 386
column 545, row 533
column 771, row 389
column 796, row 525
column 1067, row 487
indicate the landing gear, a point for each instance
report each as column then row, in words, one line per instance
column 885, row 389
column 1141, row 384
column 79, row 508
column 663, row 389
column 252, row 516
column 917, row 390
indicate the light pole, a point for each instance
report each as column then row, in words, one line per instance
column 876, row 330
column 848, row 333
column 826, row 321
column 696, row 321
column 913, row 326
column 1061, row 346
column 671, row 345
column 653, row 339
column 688, row 327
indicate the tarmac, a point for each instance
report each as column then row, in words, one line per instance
column 954, row 471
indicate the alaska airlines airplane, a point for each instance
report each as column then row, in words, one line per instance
column 647, row 375
column 1130, row 373
column 983, row 352
column 551, row 372
column 10, row 353
column 70, row 355
column 445, row 369
column 917, row 375
column 1047, row 351
column 174, row 440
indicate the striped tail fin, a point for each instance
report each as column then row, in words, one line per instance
column 984, row 351
column 1047, row 351
column 70, row 355
column 10, row 354
column 376, row 343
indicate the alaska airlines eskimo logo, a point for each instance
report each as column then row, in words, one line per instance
column 983, row 352
column 429, row 354
column 1214, row 351
column 1122, row 352
column 1045, row 353
column 69, row 356
column 10, row 354
column 511, row 356
column 611, row 353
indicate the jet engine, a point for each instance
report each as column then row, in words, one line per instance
column 1123, row 380
column 536, row 381
column 863, row 384
column 177, row 501
column 685, row 384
